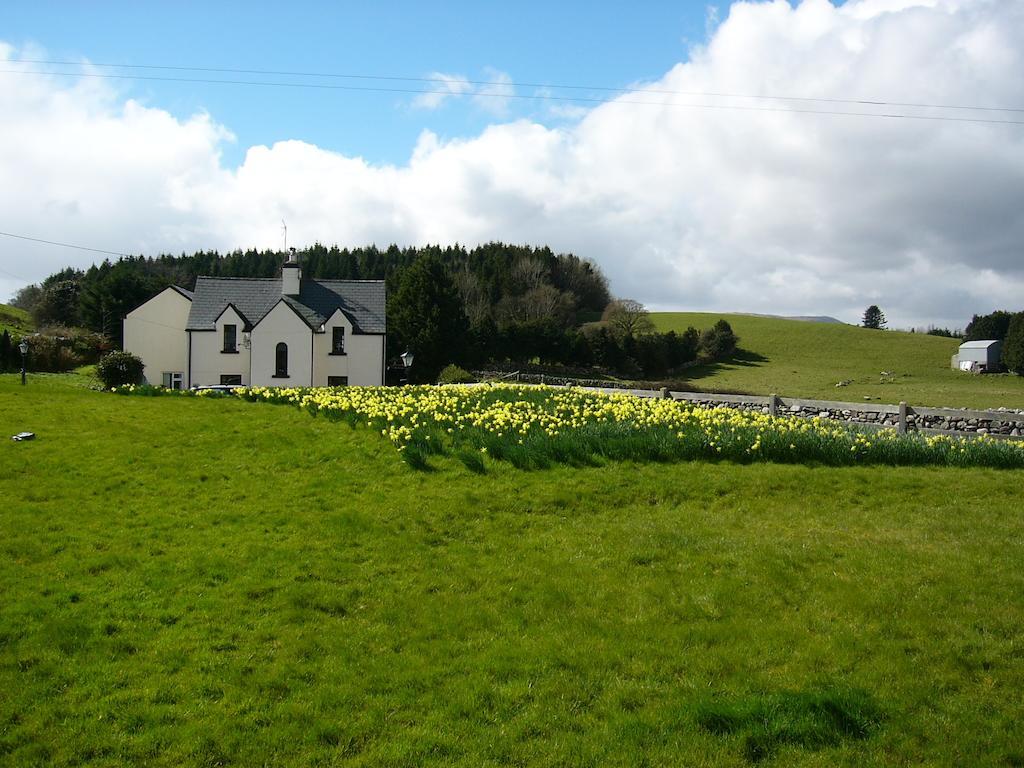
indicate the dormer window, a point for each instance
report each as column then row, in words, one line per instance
column 230, row 339
column 338, row 341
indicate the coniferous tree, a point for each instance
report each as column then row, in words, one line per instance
column 1013, row 345
column 992, row 326
column 425, row 316
column 873, row 317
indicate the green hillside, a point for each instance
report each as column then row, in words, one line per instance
column 14, row 320
column 805, row 359
column 212, row 582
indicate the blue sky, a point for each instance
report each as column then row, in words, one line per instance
column 573, row 43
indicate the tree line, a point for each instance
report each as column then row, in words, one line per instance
column 1003, row 326
column 507, row 283
column 432, row 313
column 472, row 306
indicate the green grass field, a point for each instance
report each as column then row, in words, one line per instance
column 14, row 320
column 803, row 359
column 212, row 582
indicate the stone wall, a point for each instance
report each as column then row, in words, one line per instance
column 947, row 420
column 877, row 415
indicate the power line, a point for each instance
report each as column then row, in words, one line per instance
column 510, row 84
column 545, row 97
column 16, row 277
column 63, row 245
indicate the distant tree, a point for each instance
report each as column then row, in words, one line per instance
column 873, row 317
column 1013, row 345
column 627, row 318
column 719, row 341
column 475, row 299
column 26, row 298
column 425, row 316
column 992, row 326
column 58, row 304
column 945, row 332
column 542, row 303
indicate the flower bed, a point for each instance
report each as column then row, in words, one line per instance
column 532, row 427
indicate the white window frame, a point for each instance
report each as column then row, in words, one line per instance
column 173, row 379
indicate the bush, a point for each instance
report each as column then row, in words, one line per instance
column 719, row 341
column 118, row 369
column 453, row 374
column 85, row 344
column 51, row 354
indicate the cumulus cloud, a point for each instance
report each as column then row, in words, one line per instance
column 688, row 202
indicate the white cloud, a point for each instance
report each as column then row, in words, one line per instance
column 683, row 207
column 495, row 95
column 440, row 88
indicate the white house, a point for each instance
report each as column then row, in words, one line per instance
column 286, row 332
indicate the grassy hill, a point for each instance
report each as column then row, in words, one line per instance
column 806, row 359
column 213, row 582
column 14, row 320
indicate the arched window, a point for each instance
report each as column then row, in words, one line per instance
column 281, row 361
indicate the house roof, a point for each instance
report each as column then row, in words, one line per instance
column 979, row 344
column 362, row 301
column 184, row 292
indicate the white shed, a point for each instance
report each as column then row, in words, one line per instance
column 979, row 356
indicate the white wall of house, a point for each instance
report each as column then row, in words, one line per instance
column 279, row 325
column 155, row 332
column 210, row 361
column 362, row 363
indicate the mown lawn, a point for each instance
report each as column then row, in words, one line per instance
column 213, row 582
column 803, row 359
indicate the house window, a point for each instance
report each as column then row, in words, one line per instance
column 281, row 361
column 231, row 378
column 338, row 341
column 230, row 338
column 172, row 379
column 337, row 381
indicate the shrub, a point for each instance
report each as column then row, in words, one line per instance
column 119, row 368
column 719, row 341
column 51, row 354
column 85, row 344
column 453, row 374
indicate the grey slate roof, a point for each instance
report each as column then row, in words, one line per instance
column 362, row 301
column 184, row 292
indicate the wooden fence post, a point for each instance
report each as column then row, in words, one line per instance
column 902, row 428
column 773, row 405
column 664, row 393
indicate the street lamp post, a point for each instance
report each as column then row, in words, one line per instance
column 23, row 347
column 407, row 362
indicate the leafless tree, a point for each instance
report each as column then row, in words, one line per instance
column 628, row 317
column 528, row 274
column 545, row 302
column 474, row 298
